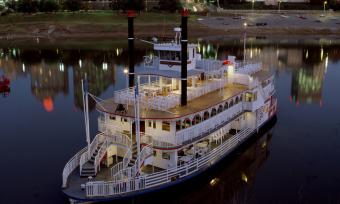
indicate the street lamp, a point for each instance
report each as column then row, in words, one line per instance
column 279, row 7
column 324, row 7
column 244, row 42
column 126, row 71
column 252, row 5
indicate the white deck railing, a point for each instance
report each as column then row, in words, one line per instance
column 209, row 65
column 71, row 165
column 208, row 87
column 157, row 141
column 248, row 67
column 111, row 188
column 163, row 103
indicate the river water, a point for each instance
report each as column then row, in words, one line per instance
column 297, row 160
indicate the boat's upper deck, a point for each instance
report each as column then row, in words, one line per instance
column 196, row 105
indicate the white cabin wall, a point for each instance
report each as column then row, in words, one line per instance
column 251, row 119
column 118, row 124
column 162, row 135
column 114, row 150
column 158, row 161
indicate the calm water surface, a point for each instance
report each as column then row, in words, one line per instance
column 296, row 161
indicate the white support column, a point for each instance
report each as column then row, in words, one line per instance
column 137, row 123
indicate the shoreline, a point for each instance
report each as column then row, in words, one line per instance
column 226, row 23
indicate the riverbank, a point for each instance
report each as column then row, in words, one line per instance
column 108, row 24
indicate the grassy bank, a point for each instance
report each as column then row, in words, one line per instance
column 93, row 17
column 93, row 24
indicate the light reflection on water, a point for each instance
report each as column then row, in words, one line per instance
column 42, row 124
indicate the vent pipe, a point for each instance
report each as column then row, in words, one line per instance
column 184, row 56
column 131, row 14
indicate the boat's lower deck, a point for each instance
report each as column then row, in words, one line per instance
column 76, row 184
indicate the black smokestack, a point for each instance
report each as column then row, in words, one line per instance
column 131, row 41
column 184, row 56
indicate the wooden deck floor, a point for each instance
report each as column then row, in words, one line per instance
column 193, row 106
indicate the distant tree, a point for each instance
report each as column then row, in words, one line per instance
column 73, row 5
column 48, row 6
column 137, row 5
column 169, row 5
column 27, row 6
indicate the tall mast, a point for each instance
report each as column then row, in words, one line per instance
column 137, row 122
column 86, row 113
column 131, row 41
column 184, row 56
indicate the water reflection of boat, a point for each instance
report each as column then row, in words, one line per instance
column 5, row 86
column 4, row 81
column 161, row 133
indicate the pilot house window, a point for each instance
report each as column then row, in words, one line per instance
column 166, row 126
column 170, row 55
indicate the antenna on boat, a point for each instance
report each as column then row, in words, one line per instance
column 84, row 84
column 184, row 56
column 131, row 14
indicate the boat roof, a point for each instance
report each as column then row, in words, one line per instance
column 193, row 106
column 172, row 46
column 262, row 75
column 166, row 73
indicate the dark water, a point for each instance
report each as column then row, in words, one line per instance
column 296, row 161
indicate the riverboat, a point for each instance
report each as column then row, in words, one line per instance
column 180, row 115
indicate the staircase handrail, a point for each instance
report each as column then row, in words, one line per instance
column 132, row 171
column 100, row 155
column 121, row 165
column 93, row 146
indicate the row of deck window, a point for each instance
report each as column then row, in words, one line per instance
column 206, row 115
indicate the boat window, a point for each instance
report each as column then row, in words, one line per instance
column 205, row 115
column 220, row 109
column 186, row 123
column 197, row 119
column 123, row 119
column 213, row 112
column 231, row 103
column 226, row 106
column 241, row 97
column 154, row 124
column 166, row 125
column 178, row 125
column 236, row 100
column 112, row 117
column 166, row 156
column 149, row 123
column 248, row 97
column 255, row 96
column 193, row 52
column 170, row 55
column 154, row 153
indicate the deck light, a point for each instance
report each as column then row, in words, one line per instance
column 125, row 71
column 214, row 181
column 244, row 177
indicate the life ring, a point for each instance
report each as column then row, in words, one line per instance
column 147, row 59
